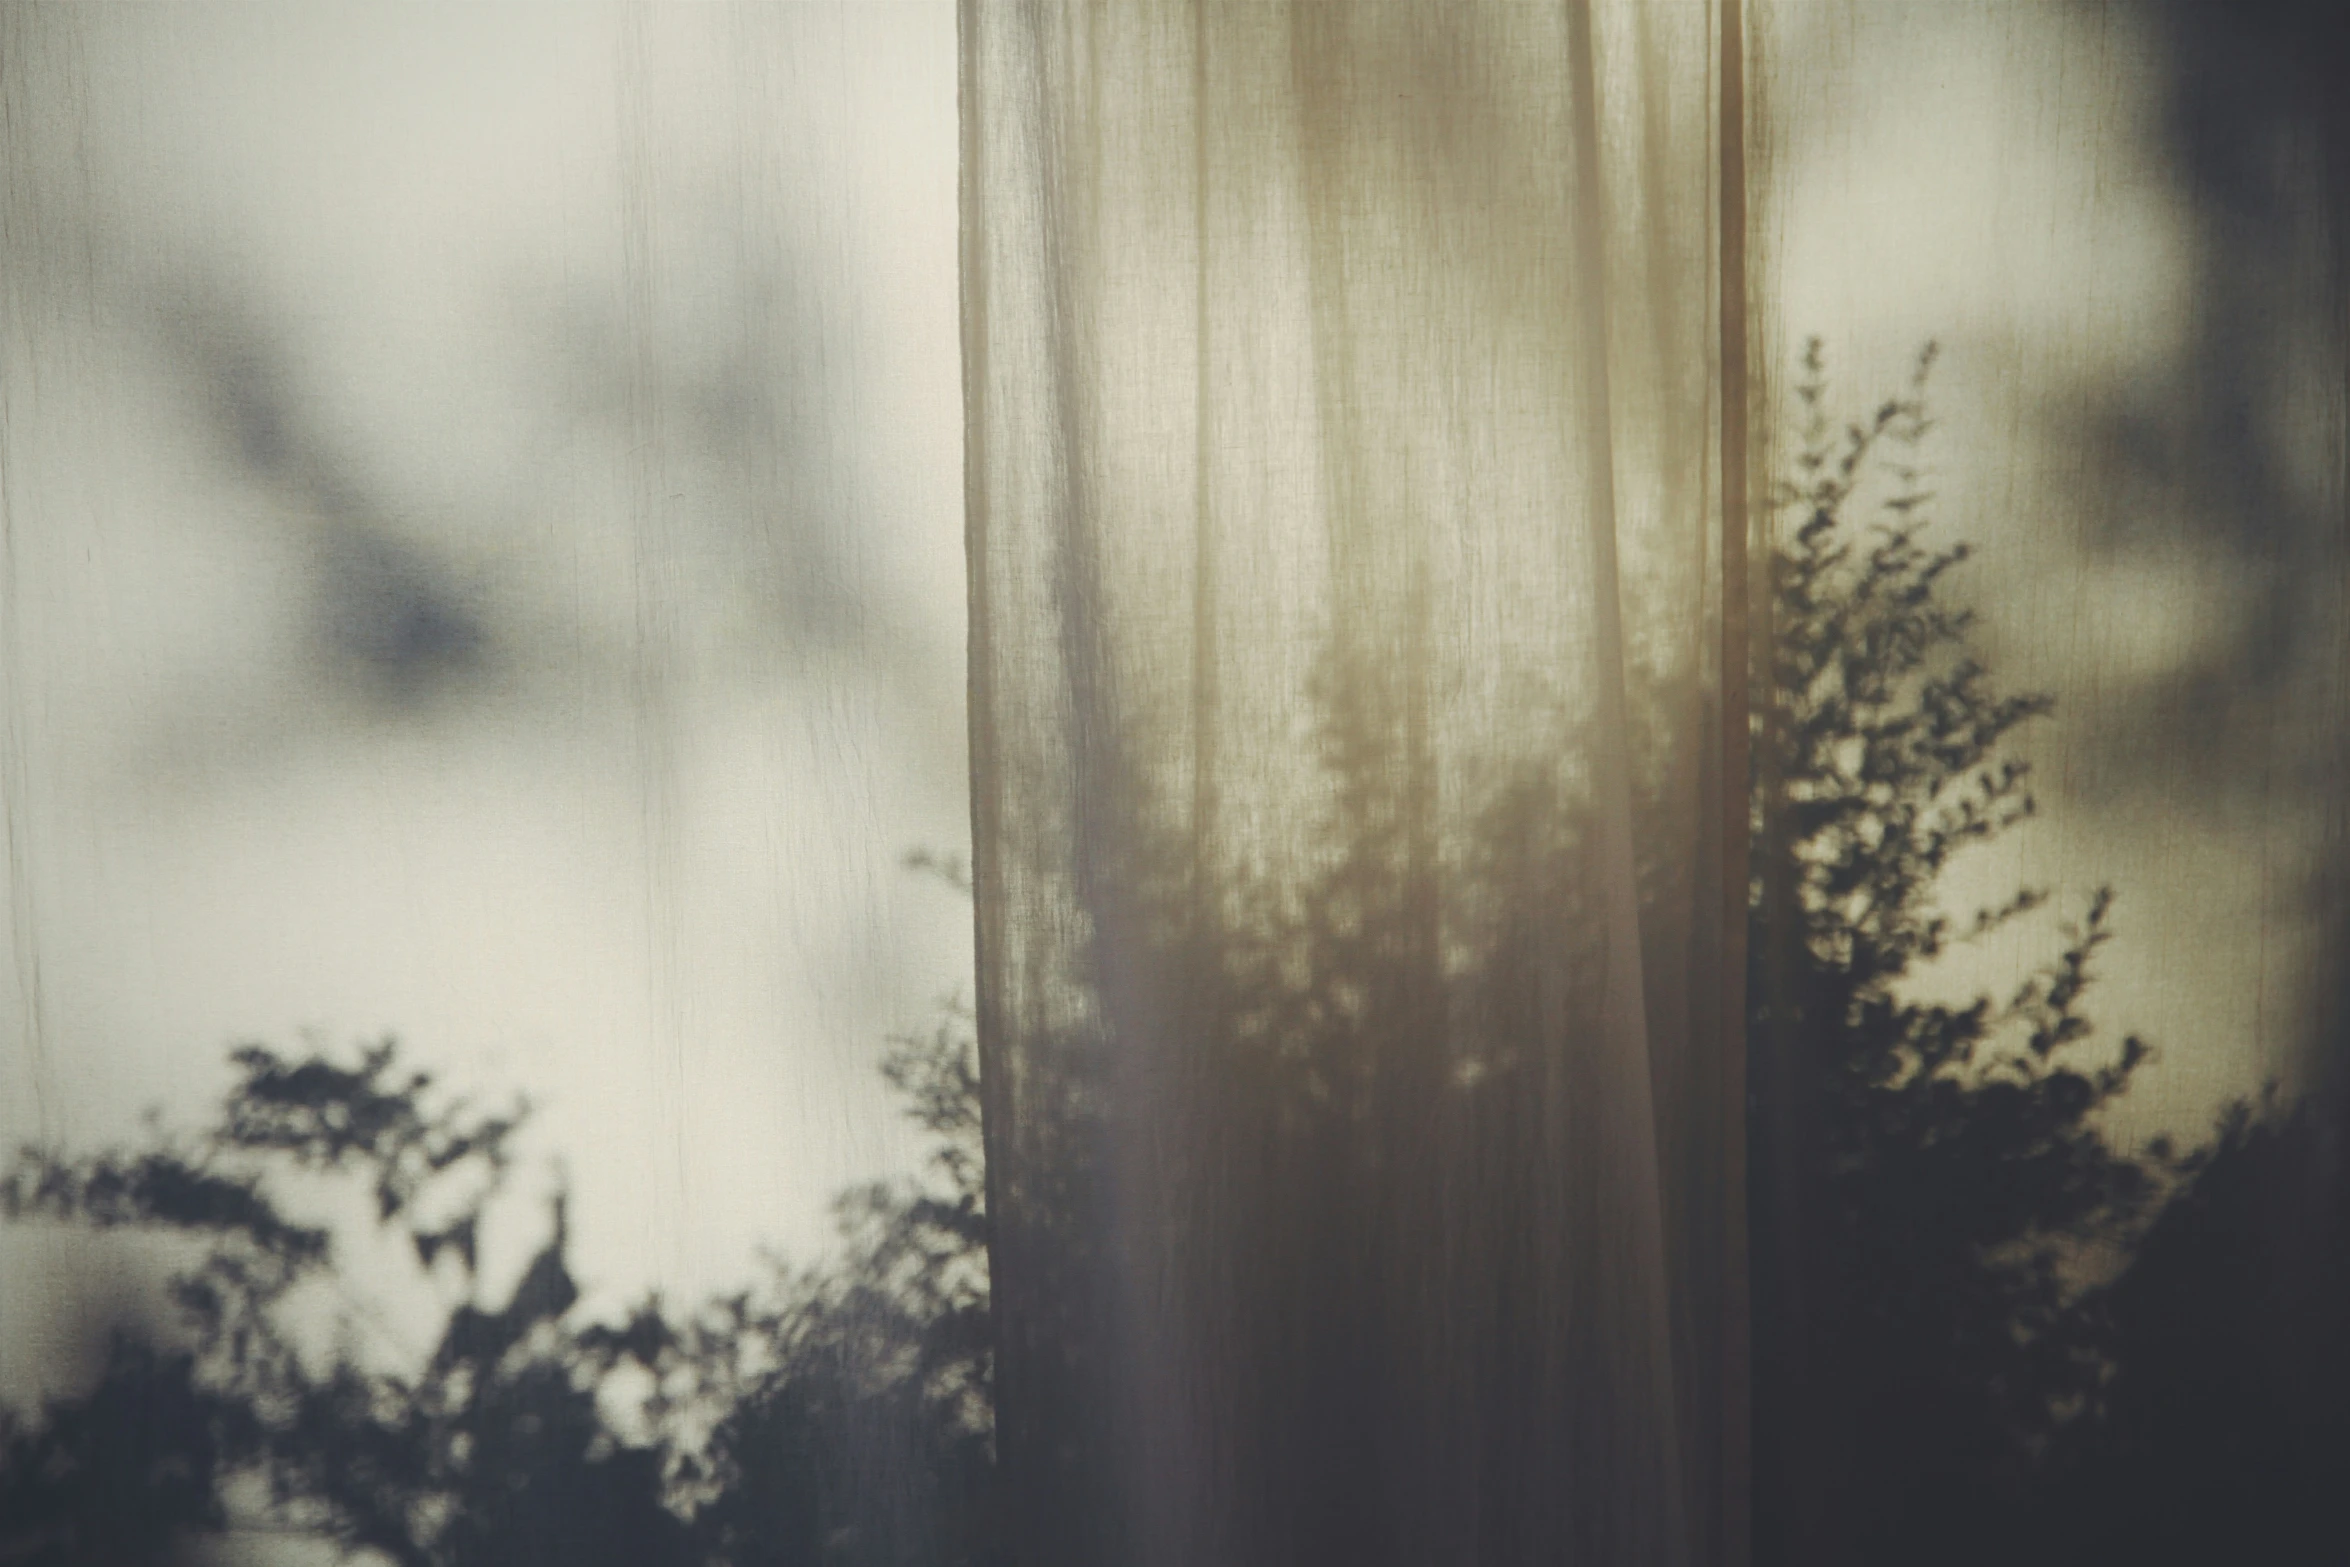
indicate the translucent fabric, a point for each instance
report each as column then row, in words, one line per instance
column 1348, row 395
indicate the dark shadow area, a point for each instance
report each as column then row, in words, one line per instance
column 2225, row 1431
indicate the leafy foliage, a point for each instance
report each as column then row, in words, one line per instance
column 1926, row 1172
column 128, row 1472
column 2226, row 1430
column 840, row 1415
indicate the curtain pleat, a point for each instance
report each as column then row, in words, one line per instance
column 1358, row 827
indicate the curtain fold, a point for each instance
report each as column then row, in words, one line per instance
column 1358, row 815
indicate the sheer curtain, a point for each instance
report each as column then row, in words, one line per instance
column 1358, row 780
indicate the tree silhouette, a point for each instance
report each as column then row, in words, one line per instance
column 2226, row 1430
column 493, row 1450
column 1350, row 1150
column 1923, row 1172
column 838, row 1415
column 129, row 1472
column 854, row 1417
column 1380, row 1042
